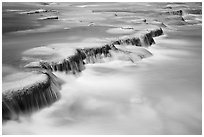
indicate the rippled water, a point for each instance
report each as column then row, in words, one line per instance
column 161, row 94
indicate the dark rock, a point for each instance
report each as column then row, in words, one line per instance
column 49, row 18
column 174, row 12
column 31, row 97
column 157, row 32
column 76, row 64
column 148, row 39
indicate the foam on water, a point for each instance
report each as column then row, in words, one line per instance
column 119, row 97
column 156, row 95
column 90, row 99
column 120, row 31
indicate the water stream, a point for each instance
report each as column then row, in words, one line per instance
column 161, row 94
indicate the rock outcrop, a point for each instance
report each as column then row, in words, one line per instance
column 41, row 87
column 145, row 39
column 37, row 11
column 35, row 91
column 76, row 63
column 174, row 12
column 49, row 18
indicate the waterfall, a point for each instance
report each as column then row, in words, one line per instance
column 45, row 92
column 76, row 63
column 31, row 97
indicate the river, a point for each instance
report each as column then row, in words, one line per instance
column 161, row 94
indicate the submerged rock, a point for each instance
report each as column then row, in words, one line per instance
column 37, row 11
column 175, row 20
column 48, row 18
column 131, row 53
column 168, row 7
column 76, row 63
column 193, row 11
column 47, row 3
column 127, row 27
column 138, row 21
column 40, row 87
column 121, row 30
column 158, row 23
column 174, row 12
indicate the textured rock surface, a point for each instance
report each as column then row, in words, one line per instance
column 30, row 91
column 37, row 11
column 49, row 18
column 76, row 63
column 123, row 90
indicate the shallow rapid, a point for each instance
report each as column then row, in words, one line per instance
column 153, row 88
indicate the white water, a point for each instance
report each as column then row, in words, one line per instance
column 161, row 94
column 158, row 95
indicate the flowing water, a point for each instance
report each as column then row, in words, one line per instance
column 161, row 94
